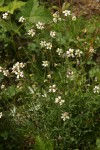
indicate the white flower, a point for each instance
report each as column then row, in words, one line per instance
column 65, row 116
column 91, row 50
column 6, row 72
column 19, row 86
column 40, row 25
column 18, row 65
column 49, row 45
column 70, row 53
column 22, row 19
column 45, row 81
column 56, row 17
column 2, row 86
column 21, row 65
column 13, row 111
column 56, row 14
column 55, row 20
column 46, row 45
column 0, row 114
column 59, row 51
column 66, row 12
column 52, row 34
column 70, row 74
column 43, row 44
column 49, row 76
column 20, row 74
column 78, row 53
column 44, row 94
column 59, row 19
column 74, row 18
column 17, row 71
column 31, row 32
column 55, row 65
column 52, row 88
column 5, row 15
column 96, row 89
column 45, row 63
column 59, row 100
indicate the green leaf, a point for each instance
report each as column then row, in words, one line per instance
column 5, row 135
column 3, row 9
column 10, row 92
column 94, row 72
column 98, row 144
column 42, row 145
column 65, row 6
column 15, row 5
column 39, row 144
column 1, row 2
column 34, row 13
column 12, row 6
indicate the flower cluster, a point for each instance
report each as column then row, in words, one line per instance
column 66, row 12
column 74, row 18
column 78, row 53
column 5, row 15
column 52, row 34
column 17, row 69
column 43, row 44
column 56, row 17
column 49, row 76
column 65, row 116
column 72, row 53
column 59, row 100
column 31, row 32
column 52, row 88
column 4, row 71
column 40, row 25
column 46, row 45
column 49, row 45
column 70, row 74
column 22, row 19
column 91, row 50
column 59, row 51
column 96, row 89
column 45, row 63
column 2, row 86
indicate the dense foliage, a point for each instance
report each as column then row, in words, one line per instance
column 49, row 78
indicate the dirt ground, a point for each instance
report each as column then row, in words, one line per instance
column 79, row 7
column 86, row 7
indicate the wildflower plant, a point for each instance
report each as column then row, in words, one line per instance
column 49, row 78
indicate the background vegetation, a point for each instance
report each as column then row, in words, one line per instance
column 49, row 75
